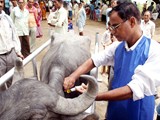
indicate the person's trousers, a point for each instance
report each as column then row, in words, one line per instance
column 32, row 41
column 25, row 46
column 6, row 63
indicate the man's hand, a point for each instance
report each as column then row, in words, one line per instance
column 20, row 55
column 69, row 82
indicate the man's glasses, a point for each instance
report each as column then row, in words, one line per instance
column 114, row 27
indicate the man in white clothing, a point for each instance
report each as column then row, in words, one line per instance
column 60, row 20
column 147, row 25
column 69, row 6
column 103, row 12
column 136, row 67
column 75, row 8
column 9, row 44
column 20, row 17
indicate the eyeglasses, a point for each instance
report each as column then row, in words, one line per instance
column 114, row 27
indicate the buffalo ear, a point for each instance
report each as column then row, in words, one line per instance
column 18, row 71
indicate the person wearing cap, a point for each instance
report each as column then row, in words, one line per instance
column 60, row 20
column 20, row 16
column 10, row 46
column 136, row 67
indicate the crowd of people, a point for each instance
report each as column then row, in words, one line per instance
column 61, row 14
column 129, row 48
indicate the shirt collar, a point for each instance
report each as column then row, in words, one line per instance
column 134, row 46
column 146, row 22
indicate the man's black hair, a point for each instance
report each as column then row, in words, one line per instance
column 126, row 10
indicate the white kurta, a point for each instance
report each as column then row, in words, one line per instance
column 60, row 20
column 20, row 19
column 148, row 28
column 8, row 35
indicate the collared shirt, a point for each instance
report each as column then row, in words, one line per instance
column 8, row 35
column 69, row 6
column 146, row 77
column 148, row 28
column 20, row 19
column 134, row 46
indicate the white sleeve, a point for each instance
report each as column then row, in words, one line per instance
column 105, row 57
column 146, row 77
column 153, row 30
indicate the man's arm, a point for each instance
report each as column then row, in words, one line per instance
column 153, row 30
column 84, row 68
column 121, row 93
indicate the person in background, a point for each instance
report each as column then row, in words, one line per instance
column 69, row 6
column 136, row 67
column 81, row 18
column 135, row 3
column 50, row 5
column 42, row 5
column 103, row 12
column 158, row 7
column 105, row 41
column 20, row 16
column 10, row 47
column 112, row 4
column 75, row 9
column 13, row 4
column 151, row 7
column 60, row 19
column 70, row 25
column 97, row 14
column 32, row 23
column 7, row 7
column 39, row 33
column 144, row 8
column 147, row 25
column 92, row 10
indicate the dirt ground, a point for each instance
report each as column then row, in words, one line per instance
column 90, row 30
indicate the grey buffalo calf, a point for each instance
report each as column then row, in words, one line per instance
column 66, row 53
column 30, row 99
